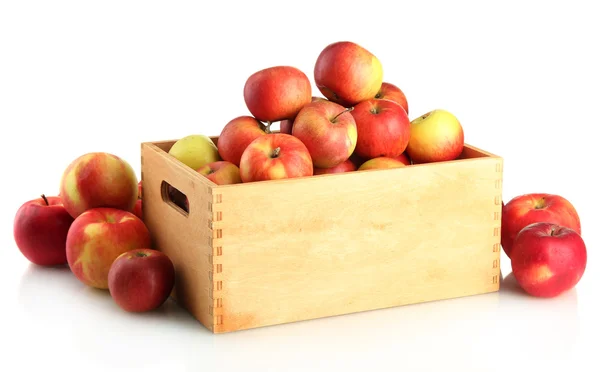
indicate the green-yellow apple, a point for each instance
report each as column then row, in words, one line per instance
column 98, row 179
column 347, row 73
column 195, row 151
column 98, row 236
column 275, row 156
column 277, row 93
column 381, row 162
column 328, row 130
column 525, row 209
column 435, row 136
column 221, row 172
column 383, row 128
column 345, row 166
column 548, row 259
column 393, row 93
column 237, row 135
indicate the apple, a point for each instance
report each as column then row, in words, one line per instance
column 195, row 150
column 345, row 166
column 548, row 259
column 277, row 93
column 140, row 189
column 393, row 93
column 383, row 128
column 381, row 162
column 347, row 73
column 237, row 135
column 328, row 130
column 403, row 158
column 40, row 230
column 221, row 172
column 526, row 209
column 98, row 179
column 137, row 209
column 285, row 126
column 141, row 280
column 275, row 156
column 98, row 236
column 435, row 136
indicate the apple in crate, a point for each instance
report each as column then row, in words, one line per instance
column 548, row 259
column 237, row 135
column 40, row 230
column 526, row 209
column 435, row 136
column 381, row 162
column 277, row 93
column 221, row 172
column 393, row 93
column 347, row 73
column 328, row 130
column 383, row 128
column 141, row 279
column 98, row 179
column 345, row 166
column 275, row 156
column 285, row 126
column 195, row 151
column 97, row 237
column 403, row 158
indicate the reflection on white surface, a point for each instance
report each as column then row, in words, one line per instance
column 52, row 302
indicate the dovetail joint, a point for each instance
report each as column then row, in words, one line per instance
column 215, row 251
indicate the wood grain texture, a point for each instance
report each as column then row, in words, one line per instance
column 297, row 249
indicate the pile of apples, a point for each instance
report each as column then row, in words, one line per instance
column 95, row 224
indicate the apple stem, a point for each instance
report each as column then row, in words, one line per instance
column 276, row 152
column 45, row 199
column 346, row 110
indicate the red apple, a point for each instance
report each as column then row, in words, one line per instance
column 381, row 162
column 277, row 93
column 435, row 136
column 98, row 179
column 137, row 209
column 141, row 279
column 275, row 156
column 526, row 209
column 383, row 128
column 221, row 172
column 237, row 135
column 328, row 130
column 97, row 237
column 347, row 73
column 40, row 230
column 393, row 93
column 285, row 126
column 345, row 166
column 548, row 259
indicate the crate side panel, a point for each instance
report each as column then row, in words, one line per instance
column 185, row 239
column 315, row 247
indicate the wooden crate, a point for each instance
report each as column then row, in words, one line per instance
column 264, row 253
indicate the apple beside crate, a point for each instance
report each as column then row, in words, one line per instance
column 272, row 252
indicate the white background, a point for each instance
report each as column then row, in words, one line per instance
column 82, row 76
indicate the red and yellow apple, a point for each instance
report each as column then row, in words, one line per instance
column 393, row 93
column 98, row 236
column 277, row 93
column 98, row 179
column 285, row 126
column 221, row 172
column 275, row 156
column 383, row 128
column 328, row 130
column 40, row 230
column 548, row 259
column 381, row 162
column 141, row 280
column 435, row 136
column 526, row 209
column 403, row 158
column 237, row 135
column 347, row 73
column 345, row 166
